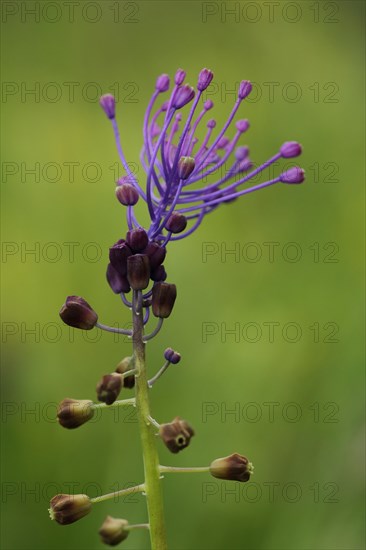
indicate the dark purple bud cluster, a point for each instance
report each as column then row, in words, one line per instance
column 134, row 261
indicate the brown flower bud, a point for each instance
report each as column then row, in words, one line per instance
column 234, row 467
column 176, row 223
column 137, row 239
column 77, row 313
column 176, row 434
column 185, row 167
column 109, row 388
column 138, row 271
column 113, row 531
column 163, row 298
column 66, row 509
column 123, row 366
column 72, row 413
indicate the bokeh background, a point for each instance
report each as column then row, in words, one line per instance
column 296, row 395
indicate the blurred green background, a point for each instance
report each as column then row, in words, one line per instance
column 297, row 396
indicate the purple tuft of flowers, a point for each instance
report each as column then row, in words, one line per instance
column 177, row 164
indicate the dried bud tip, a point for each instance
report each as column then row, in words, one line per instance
column 109, row 388
column 162, row 83
column 234, row 467
column 138, row 271
column 176, row 223
column 293, row 175
column 123, row 366
column 66, row 509
column 290, row 149
column 185, row 167
column 172, row 356
column 108, row 104
column 77, row 313
column 127, row 194
column 245, row 88
column 204, row 79
column 72, row 413
column 113, row 531
column 163, row 298
column 176, row 434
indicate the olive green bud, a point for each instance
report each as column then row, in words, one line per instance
column 67, row 509
column 72, row 413
column 176, row 434
column 123, row 366
column 234, row 467
column 109, row 388
column 113, row 530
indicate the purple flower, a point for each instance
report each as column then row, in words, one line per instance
column 178, row 164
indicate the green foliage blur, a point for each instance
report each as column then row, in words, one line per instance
column 285, row 386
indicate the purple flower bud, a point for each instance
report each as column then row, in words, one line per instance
column 127, row 194
column 118, row 283
column 185, row 167
column 72, row 413
column 208, row 105
column 109, row 388
column 108, row 104
column 179, row 77
column 204, row 79
column 242, row 125
column 184, row 95
column 245, row 88
column 156, row 254
column 223, row 142
column 77, row 313
column 172, row 356
column 176, row 223
column 124, row 179
column 293, row 175
column 176, row 435
column 138, row 271
column 162, row 83
column 211, row 123
column 118, row 255
column 163, row 298
column 158, row 274
column 137, row 239
column 234, row 467
column 66, row 509
column 241, row 153
column 291, row 149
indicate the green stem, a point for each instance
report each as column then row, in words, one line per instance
column 174, row 470
column 148, row 440
column 121, row 403
column 121, row 493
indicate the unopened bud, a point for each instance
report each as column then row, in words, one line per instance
column 109, row 388
column 185, row 167
column 245, row 88
column 158, row 274
column 162, row 83
column 290, row 149
column 156, row 254
column 118, row 254
column 176, row 434
column 242, row 125
column 77, row 313
column 108, row 104
column 118, row 283
column 184, row 95
column 138, row 271
column 66, row 509
column 163, row 298
column 72, row 413
column 234, row 467
column 204, row 79
column 176, row 223
column 137, row 239
column 293, row 175
column 172, row 356
column 179, row 77
column 123, row 366
column 113, row 531
column 127, row 194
